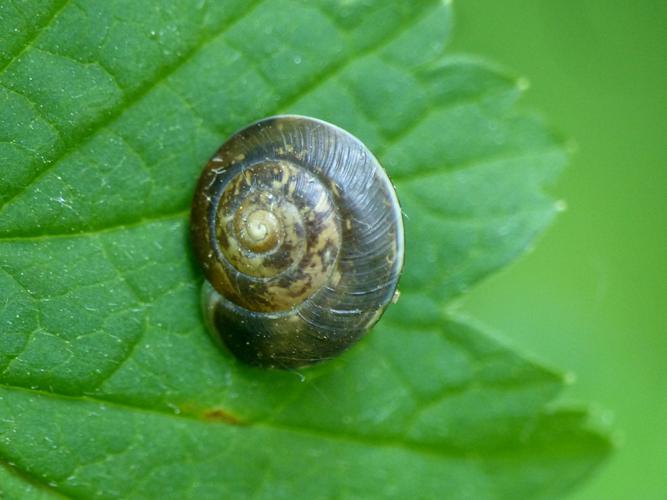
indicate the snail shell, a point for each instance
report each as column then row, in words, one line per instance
column 299, row 233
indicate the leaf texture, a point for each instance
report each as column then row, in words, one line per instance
column 109, row 384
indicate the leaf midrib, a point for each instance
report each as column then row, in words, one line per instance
column 113, row 115
column 397, row 179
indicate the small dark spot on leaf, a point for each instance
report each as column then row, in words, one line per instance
column 218, row 415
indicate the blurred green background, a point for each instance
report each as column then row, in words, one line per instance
column 592, row 296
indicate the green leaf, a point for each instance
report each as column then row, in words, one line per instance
column 109, row 384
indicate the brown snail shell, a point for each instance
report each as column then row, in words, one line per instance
column 299, row 233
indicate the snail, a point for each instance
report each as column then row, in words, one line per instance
column 299, row 234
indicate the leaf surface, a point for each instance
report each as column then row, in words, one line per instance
column 109, row 384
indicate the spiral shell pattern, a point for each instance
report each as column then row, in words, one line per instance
column 299, row 233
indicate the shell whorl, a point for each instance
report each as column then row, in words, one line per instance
column 275, row 236
column 299, row 234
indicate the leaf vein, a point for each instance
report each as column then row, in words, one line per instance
column 130, row 100
column 47, row 21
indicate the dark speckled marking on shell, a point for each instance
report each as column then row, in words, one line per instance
column 299, row 233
